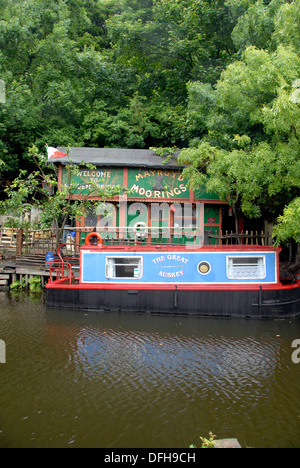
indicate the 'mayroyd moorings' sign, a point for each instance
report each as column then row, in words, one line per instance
column 157, row 184
column 154, row 184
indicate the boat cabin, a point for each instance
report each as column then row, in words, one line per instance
column 164, row 265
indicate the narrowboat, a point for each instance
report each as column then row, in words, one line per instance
column 206, row 281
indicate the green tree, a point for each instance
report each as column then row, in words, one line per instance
column 56, row 204
column 288, row 225
column 257, row 25
column 287, row 25
column 242, row 177
column 170, row 42
column 52, row 76
column 245, row 131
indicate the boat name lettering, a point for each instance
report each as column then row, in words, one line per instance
column 166, row 274
column 178, row 258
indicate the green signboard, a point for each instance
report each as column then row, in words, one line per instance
column 202, row 194
column 152, row 184
column 157, row 184
column 163, row 184
column 85, row 178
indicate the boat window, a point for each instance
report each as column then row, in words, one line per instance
column 246, row 267
column 124, row 267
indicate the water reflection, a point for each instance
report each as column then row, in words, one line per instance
column 176, row 359
column 121, row 380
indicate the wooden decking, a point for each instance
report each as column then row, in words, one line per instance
column 23, row 268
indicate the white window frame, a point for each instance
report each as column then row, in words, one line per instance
column 116, row 258
column 229, row 266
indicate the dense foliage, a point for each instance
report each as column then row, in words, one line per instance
column 219, row 79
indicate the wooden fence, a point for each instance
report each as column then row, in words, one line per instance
column 244, row 238
column 23, row 242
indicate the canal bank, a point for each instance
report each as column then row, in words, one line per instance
column 23, row 270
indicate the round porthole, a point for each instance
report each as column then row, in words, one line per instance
column 204, row 268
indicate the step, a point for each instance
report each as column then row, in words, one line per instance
column 4, row 277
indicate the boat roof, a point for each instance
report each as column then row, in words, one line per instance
column 172, row 248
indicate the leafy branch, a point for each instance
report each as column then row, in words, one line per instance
column 56, row 204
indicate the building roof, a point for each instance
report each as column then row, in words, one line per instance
column 116, row 157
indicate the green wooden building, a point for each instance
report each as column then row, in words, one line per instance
column 159, row 204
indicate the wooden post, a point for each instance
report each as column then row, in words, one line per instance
column 19, row 241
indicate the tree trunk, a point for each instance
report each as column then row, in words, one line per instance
column 60, row 229
column 298, row 255
column 19, row 241
column 236, row 221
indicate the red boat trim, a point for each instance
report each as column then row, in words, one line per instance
column 61, row 284
column 139, row 247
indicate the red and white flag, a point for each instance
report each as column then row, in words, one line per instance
column 54, row 153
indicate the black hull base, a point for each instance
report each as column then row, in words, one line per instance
column 263, row 304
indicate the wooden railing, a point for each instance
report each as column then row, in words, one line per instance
column 244, row 238
column 39, row 242
column 131, row 235
column 8, row 238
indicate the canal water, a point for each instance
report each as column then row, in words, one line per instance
column 84, row 379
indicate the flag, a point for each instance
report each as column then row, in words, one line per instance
column 54, row 153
